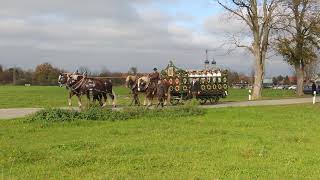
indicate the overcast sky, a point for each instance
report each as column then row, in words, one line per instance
column 118, row 34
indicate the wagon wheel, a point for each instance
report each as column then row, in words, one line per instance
column 214, row 100
column 174, row 101
column 202, row 101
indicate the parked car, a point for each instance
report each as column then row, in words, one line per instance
column 293, row 87
column 278, row 87
column 308, row 89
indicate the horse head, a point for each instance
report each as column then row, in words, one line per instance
column 143, row 83
column 131, row 81
column 63, row 78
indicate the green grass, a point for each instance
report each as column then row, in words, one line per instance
column 51, row 96
column 45, row 96
column 273, row 142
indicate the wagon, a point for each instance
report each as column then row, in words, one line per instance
column 213, row 84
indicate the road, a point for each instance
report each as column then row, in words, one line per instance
column 22, row 112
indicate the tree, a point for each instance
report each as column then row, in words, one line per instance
column 258, row 15
column 84, row 69
column 133, row 71
column 275, row 81
column 105, row 73
column 233, row 77
column 46, row 74
column 280, row 79
column 300, row 36
column 286, row 81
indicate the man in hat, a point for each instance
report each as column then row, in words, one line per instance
column 154, row 77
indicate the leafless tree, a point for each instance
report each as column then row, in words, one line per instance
column 258, row 15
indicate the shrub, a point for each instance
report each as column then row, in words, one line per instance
column 96, row 113
column 54, row 115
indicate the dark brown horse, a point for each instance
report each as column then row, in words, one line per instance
column 62, row 80
column 91, row 87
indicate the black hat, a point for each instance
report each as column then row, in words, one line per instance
column 155, row 69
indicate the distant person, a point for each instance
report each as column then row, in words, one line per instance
column 314, row 87
column 195, row 87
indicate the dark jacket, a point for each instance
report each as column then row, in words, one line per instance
column 154, row 77
column 314, row 87
column 195, row 87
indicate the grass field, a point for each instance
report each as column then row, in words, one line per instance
column 51, row 96
column 274, row 142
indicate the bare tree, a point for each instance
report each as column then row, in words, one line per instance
column 84, row 69
column 258, row 15
column 312, row 70
column 299, row 37
column 133, row 70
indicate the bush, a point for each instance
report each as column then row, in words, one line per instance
column 54, row 115
column 96, row 113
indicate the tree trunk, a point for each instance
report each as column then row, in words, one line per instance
column 258, row 78
column 300, row 79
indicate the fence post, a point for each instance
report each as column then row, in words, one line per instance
column 250, row 95
column 314, row 97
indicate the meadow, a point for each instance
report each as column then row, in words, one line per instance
column 273, row 142
column 53, row 96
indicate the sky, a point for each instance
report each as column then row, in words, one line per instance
column 119, row 34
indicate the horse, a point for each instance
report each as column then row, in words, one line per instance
column 81, row 85
column 97, row 88
column 139, row 85
column 63, row 81
column 163, row 92
column 132, row 84
column 154, row 89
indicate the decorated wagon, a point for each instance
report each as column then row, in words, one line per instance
column 213, row 84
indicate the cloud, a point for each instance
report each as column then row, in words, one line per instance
column 113, row 34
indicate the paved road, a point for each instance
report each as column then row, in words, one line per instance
column 262, row 103
column 21, row 112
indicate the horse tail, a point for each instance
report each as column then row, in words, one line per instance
column 114, row 98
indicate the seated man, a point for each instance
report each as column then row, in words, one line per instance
column 195, row 87
column 155, row 76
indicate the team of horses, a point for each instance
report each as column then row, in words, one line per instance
column 96, row 89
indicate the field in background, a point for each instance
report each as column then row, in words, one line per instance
column 273, row 142
column 53, row 96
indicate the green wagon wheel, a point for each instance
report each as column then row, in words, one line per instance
column 214, row 100
column 202, row 101
column 174, row 101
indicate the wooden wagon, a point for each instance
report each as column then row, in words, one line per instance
column 213, row 84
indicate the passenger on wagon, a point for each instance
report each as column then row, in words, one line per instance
column 195, row 87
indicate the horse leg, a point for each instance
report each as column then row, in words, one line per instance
column 79, row 101
column 136, row 100
column 105, row 98
column 145, row 101
column 100, row 99
column 89, row 99
column 69, row 99
column 113, row 98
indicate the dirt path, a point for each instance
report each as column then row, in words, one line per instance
column 21, row 112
